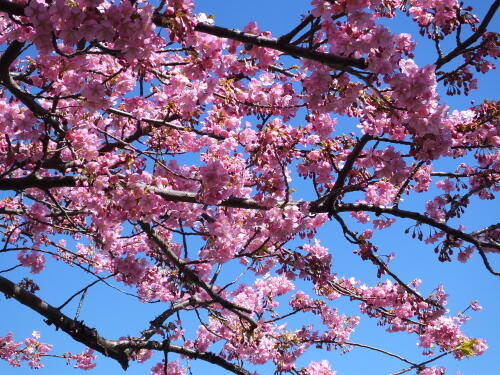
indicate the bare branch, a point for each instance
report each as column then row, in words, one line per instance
column 287, row 38
column 422, row 364
column 319, row 206
column 380, row 350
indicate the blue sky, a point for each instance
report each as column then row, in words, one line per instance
column 115, row 314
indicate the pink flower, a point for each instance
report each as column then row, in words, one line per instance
column 361, row 216
column 475, row 306
column 405, row 43
column 381, row 193
column 130, row 269
column 479, row 346
column 214, row 177
column 33, row 259
column 300, row 300
column 319, row 368
column 322, row 8
column 464, row 255
column 356, row 5
column 9, row 350
column 143, row 355
column 85, row 361
column 323, row 124
column 434, row 209
column 318, row 251
column 432, row 371
column 94, row 93
column 173, row 368
column 446, row 185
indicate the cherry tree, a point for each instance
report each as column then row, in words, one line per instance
column 149, row 147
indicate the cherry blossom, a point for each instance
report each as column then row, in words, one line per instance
column 203, row 170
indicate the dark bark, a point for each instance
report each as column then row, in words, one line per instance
column 278, row 45
column 116, row 349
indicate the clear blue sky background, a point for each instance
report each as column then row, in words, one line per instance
column 114, row 314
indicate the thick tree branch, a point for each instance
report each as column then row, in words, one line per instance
column 329, row 199
column 116, row 349
column 276, row 44
column 190, row 197
column 76, row 329
column 11, row 53
column 12, row 8
column 34, row 181
column 193, row 354
column 44, row 183
column 349, row 163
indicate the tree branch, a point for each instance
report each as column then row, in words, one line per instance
column 380, row 350
column 276, row 44
column 339, row 183
column 356, row 207
column 320, row 207
column 76, row 329
column 156, row 122
column 190, row 197
column 192, row 277
column 473, row 38
column 160, row 319
column 12, row 8
column 328, row 199
column 11, row 53
column 193, row 354
column 34, row 181
column 287, row 38
column 116, row 349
